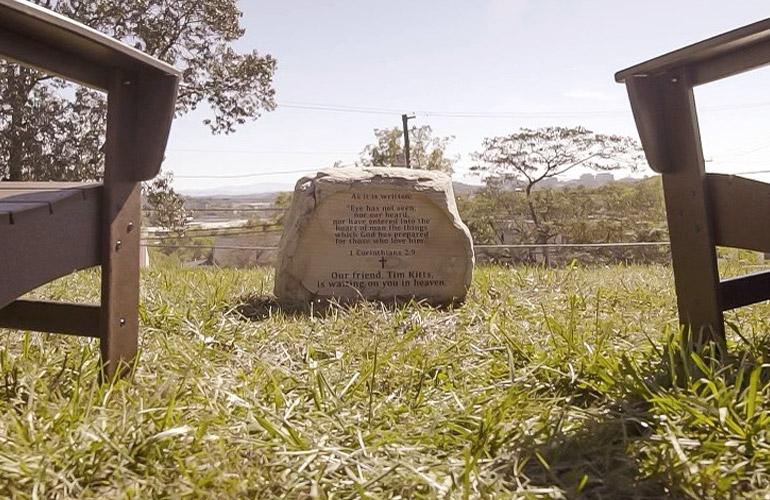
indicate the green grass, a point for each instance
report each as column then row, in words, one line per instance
column 565, row 383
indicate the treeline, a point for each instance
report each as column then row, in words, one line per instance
column 617, row 212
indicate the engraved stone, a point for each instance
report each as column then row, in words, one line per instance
column 374, row 234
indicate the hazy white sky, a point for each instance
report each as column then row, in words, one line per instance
column 467, row 68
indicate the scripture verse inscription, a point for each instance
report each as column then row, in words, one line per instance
column 381, row 244
column 373, row 233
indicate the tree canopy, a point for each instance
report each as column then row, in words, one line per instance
column 50, row 131
column 426, row 151
column 530, row 156
column 167, row 206
column 621, row 211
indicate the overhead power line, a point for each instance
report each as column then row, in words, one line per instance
column 259, row 174
column 259, row 152
column 447, row 114
column 337, row 108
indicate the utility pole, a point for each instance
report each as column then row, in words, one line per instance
column 404, row 119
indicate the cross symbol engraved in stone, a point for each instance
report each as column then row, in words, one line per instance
column 382, row 261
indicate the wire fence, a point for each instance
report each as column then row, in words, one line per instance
column 149, row 243
column 236, row 254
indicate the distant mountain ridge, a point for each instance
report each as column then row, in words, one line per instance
column 268, row 190
column 242, row 190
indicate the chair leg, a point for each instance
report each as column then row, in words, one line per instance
column 696, row 274
column 119, row 320
column 689, row 220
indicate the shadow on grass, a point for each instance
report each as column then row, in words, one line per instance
column 595, row 461
column 627, row 452
column 612, row 453
column 255, row 307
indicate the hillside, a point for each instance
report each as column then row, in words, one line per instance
column 259, row 194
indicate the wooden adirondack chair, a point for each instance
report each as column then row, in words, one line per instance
column 703, row 210
column 48, row 230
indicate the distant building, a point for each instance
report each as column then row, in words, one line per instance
column 550, row 182
column 589, row 180
column 604, row 178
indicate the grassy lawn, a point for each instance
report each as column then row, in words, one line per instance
column 564, row 383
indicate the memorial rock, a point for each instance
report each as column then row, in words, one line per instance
column 374, row 234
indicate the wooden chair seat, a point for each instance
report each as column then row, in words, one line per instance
column 49, row 230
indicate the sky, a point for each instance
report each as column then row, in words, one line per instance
column 468, row 68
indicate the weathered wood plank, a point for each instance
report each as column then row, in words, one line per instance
column 48, row 247
column 650, row 121
column 745, row 290
column 732, row 63
column 727, row 54
column 154, row 108
column 24, row 213
column 51, row 60
column 696, row 275
column 54, row 317
column 739, row 208
column 40, row 196
column 56, row 41
column 26, row 205
column 121, row 218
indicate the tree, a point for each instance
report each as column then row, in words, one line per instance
column 165, row 206
column 615, row 212
column 43, row 136
column 426, row 152
column 48, row 131
column 282, row 202
column 528, row 157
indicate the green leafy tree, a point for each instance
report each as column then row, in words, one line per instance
column 494, row 217
column 165, row 207
column 615, row 212
column 426, row 151
column 50, row 131
column 283, row 203
column 530, row 156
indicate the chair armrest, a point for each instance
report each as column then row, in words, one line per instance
column 724, row 55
